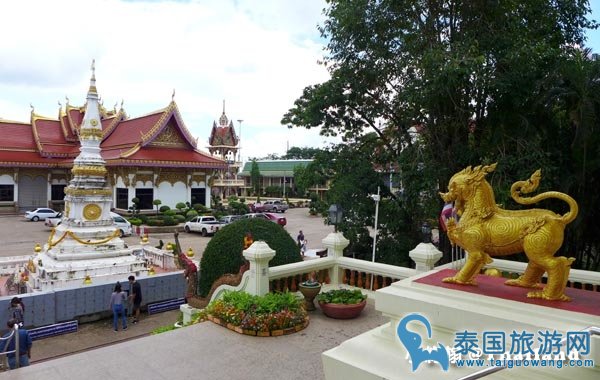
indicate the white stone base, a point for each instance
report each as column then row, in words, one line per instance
column 379, row 353
column 55, row 274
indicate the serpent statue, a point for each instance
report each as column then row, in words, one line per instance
column 486, row 230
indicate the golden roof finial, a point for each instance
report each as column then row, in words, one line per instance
column 122, row 101
column 31, row 106
column 67, row 99
column 59, row 103
column 173, row 96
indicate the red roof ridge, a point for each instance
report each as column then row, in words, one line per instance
column 113, row 124
column 7, row 121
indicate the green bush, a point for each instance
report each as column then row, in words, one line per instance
column 179, row 218
column 180, row 206
column 199, row 207
column 135, row 221
column 164, row 209
column 143, row 218
column 170, row 212
column 190, row 214
column 223, row 254
column 169, row 221
column 155, row 222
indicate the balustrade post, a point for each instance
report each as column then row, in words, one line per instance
column 259, row 254
column 335, row 243
column 425, row 255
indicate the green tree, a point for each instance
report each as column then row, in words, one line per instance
column 297, row 153
column 157, row 202
column 255, row 179
column 441, row 85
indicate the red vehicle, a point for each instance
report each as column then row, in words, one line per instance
column 276, row 218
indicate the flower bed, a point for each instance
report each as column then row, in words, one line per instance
column 274, row 314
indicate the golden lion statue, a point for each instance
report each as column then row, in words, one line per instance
column 485, row 230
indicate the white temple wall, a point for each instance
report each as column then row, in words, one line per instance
column 170, row 195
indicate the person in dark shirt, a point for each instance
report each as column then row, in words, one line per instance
column 135, row 295
column 25, row 344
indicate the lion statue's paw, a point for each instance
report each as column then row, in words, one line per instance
column 455, row 280
column 519, row 282
column 545, row 296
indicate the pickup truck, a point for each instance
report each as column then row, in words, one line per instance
column 274, row 206
column 204, row 224
column 53, row 222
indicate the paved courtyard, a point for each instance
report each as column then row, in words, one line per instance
column 19, row 236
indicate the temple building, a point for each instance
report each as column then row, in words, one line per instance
column 224, row 143
column 148, row 157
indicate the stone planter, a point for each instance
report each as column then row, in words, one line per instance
column 309, row 293
column 342, row 311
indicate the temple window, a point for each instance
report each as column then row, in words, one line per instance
column 7, row 193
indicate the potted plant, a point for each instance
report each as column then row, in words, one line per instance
column 342, row 303
column 309, row 289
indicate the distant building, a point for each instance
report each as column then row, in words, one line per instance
column 276, row 173
column 148, row 157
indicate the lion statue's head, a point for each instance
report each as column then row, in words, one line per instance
column 463, row 184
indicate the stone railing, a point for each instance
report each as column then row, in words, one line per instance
column 333, row 270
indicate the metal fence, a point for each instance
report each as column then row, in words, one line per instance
column 45, row 308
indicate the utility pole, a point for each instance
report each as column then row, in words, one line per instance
column 240, row 142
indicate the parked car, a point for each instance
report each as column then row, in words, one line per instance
column 256, row 207
column 53, row 222
column 266, row 216
column 276, row 218
column 122, row 224
column 274, row 206
column 229, row 219
column 203, row 224
column 258, row 215
column 40, row 214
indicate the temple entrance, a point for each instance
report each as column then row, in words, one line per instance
column 146, row 196
column 198, row 195
column 33, row 192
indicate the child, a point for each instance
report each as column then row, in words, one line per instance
column 17, row 310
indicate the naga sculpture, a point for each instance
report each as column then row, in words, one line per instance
column 485, row 230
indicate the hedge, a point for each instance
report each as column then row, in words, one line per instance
column 223, row 254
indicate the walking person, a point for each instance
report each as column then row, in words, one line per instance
column 25, row 344
column 16, row 310
column 117, row 300
column 135, row 294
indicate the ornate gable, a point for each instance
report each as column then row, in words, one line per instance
column 169, row 137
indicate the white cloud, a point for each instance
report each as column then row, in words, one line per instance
column 257, row 55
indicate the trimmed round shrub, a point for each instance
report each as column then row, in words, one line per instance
column 143, row 218
column 135, row 221
column 164, row 208
column 179, row 218
column 155, row 222
column 170, row 221
column 199, row 207
column 190, row 214
column 180, row 206
column 171, row 212
column 223, row 254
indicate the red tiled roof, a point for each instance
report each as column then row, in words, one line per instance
column 126, row 142
column 129, row 132
column 223, row 136
column 16, row 135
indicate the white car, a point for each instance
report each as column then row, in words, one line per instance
column 122, row 224
column 41, row 214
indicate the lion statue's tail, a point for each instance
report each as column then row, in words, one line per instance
column 525, row 187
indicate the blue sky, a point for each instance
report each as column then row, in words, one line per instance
column 594, row 35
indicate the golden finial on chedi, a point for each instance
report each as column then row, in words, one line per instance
column 485, row 230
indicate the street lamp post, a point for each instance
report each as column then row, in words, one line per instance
column 376, row 198
column 335, row 215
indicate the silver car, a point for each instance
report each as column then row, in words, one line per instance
column 41, row 214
